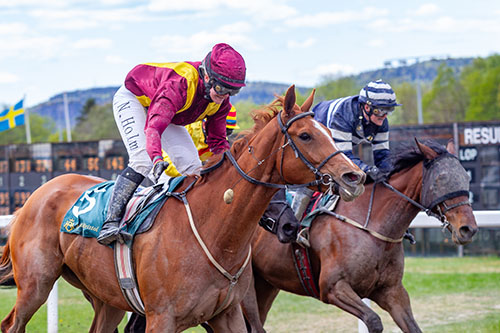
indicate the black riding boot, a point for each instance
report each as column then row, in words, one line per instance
column 124, row 189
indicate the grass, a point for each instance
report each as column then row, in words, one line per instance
column 447, row 295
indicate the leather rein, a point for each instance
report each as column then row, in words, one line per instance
column 321, row 178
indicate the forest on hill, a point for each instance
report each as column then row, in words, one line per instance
column 452, row 90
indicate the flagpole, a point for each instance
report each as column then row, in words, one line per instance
column 66, row 118
column 27, row 121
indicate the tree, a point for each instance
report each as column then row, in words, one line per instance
column 447, row 99
column 98, row 123
column 243, row 114
column 89, row 104
column 333, row 89
column 406, row 94
column 482, row 84
column 41, row 129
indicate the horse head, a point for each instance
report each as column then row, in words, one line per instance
column 280, row 219
column 445, row 192
column 313, row 146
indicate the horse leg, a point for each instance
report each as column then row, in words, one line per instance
column 106, row 317
column 31, row 294
column 231, row 320
column 159, row 322
column 36, row 268
column 396, row 301
column 250, row 304
column 266, row 294
column 342, row 295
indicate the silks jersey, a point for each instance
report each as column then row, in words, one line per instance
column 173, row 93
column 349, row 128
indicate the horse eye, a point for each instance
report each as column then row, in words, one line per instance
column 305, row 136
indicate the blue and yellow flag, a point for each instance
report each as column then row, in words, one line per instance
column 12, row 117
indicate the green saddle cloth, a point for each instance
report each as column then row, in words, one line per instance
column 87, row 215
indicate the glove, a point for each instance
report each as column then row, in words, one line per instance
column 376, row 174
column 158, row 168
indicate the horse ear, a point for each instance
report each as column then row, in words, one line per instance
column 289, row 101
column 450, row 147
column 428, row 152
column 309, row 101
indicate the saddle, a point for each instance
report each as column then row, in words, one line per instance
column 86, row 217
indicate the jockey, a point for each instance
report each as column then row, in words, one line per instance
column 151, row 110
column 357, row 119
column 197, row 132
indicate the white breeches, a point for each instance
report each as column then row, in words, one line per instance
column 130, row 117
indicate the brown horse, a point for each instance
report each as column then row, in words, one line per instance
column 179, row 286
column 349, row 263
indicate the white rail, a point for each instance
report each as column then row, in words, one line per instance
column 484, row 219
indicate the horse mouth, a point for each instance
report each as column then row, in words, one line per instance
column 351, row 194
column 464, row 235
column 351, row 185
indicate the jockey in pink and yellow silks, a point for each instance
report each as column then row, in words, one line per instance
column 151, row 109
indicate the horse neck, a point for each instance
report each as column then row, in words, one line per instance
column 395, row 213
column 236, row 222
column 392, row 214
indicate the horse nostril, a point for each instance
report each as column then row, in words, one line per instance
column 467, row 231
column 289, row 229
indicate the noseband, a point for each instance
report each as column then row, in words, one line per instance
column 271, row 223
column 321, row 178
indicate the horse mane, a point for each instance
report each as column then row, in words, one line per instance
column 261, row 118
column 407, row 154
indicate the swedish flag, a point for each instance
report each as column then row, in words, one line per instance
column 12, row 117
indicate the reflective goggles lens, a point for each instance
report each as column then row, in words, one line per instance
column 380, row 112
column 223, row 90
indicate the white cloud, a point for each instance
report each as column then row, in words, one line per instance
column 32, row 3
column 200, row 42
column 261, row 9
column 114, row 59
column 329, row 18
column 427, row 9
column 41, row 47
column 80, row 19
column 98, row 43
column 13, row 28
column 332, row 69
column 376, row 43
column 293, row 44
column 8, row 78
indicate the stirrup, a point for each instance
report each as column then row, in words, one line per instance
column 108, row 235
column 123, row 237
column 303, row 238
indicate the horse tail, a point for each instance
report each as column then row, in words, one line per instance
column 6, row 272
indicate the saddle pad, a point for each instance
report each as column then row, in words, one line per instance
column 87, row 215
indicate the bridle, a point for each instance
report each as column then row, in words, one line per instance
column 454, row 188
column 437, row 197
column 321, row 178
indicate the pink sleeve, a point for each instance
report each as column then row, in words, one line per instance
column 216, row 129
column 160, row 113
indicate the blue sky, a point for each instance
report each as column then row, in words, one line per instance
column 52, row 46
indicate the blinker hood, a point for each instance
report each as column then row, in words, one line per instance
column 440, row 183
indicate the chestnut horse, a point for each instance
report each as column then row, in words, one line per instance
column 349, row 263
column 184, row 279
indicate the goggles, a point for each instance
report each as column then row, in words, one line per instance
column 380, row 112
column 221, row 89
